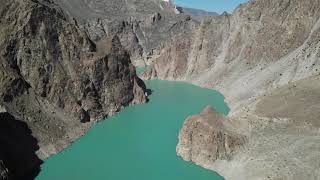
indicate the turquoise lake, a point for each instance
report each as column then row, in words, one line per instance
column 139, row 143
column 140, row 70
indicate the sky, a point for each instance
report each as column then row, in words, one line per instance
column 218, row 6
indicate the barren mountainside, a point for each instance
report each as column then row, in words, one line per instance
column 143, row 26
column 56, row 81
column 262, row 45
column 264, row 58
column 65, row 64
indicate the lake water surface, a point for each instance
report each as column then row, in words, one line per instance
column 140, row 142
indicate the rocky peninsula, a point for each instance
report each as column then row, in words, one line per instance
column 264, row 58
column 65, row 64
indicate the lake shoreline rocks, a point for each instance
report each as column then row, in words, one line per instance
column 55, row 82
column 263, row 58
column 61, row 71
column 126, row 141
column 280, row 142
column 207, row 137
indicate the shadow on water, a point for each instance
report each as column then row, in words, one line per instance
column 144, row 87
column 149, row 91
column 18, row 148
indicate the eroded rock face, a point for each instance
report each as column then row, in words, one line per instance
column 264, row 58
column 54, row 77
column 142, row 26
column 262, row 45
column 281, row 130
column 208, row 137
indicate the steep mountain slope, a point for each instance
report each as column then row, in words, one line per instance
column 265, row 59
column 142, row 25
column 264, row 44
column 282, row 129
column 64, row 63
column 55, row 78
column 282, row 132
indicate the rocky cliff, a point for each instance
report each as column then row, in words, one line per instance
column 262, row 45
column 282, row 137
column 55, row 78
column 208, row 137
column 65, row 64
column 265, row 58
column 142, row 26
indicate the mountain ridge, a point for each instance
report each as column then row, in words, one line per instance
column 195, row 13
column 66, row 64
column 55, row 83
column 261, row 58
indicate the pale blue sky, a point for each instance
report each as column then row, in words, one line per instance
column 211, row 5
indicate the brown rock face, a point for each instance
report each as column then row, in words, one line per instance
column 265, row 59
column 208, row 137
column 262, row 45
column 142, row 26
column 53, row 77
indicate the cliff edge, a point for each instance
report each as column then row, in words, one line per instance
column 55, row 79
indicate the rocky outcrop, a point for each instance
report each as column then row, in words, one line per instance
column 265, row 59
column 281, row 131
column 142, row 26
column 55, row 78
column 262, row 45
column 208, row 137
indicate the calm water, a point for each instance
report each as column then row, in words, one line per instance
column 140, row 70
column 139, row 143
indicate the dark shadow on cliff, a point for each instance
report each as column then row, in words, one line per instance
column 17, row 148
